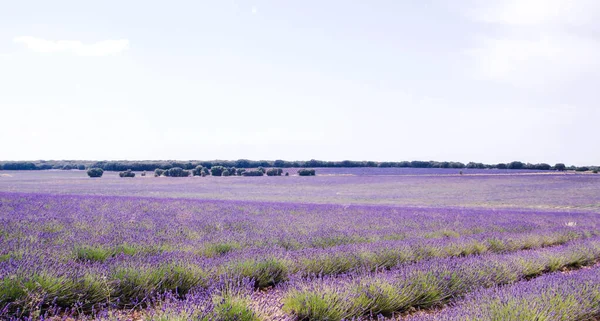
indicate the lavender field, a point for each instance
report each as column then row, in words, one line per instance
column 347, row 244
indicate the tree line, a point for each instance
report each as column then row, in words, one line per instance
column 247, row 164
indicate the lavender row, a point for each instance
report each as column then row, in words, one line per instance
column 558, row 296
column 426, row 284
column 103, row 226
column 224, row 302
column 272, row 267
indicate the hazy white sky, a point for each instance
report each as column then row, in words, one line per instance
column 490, row 81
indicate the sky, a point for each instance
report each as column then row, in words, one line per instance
column 487, row 81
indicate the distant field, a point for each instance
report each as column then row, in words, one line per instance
column 362, row 244
column 509, row 189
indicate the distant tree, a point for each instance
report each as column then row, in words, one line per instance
column 177, row 172
column 240, row 171
column 19, row 166
column 501, row 166
column 226, row 173
column 232, row 171
column 306, row 172
column 262, row 169
column 387, row 164
column 253, row 173
column 313, row 163
column 127, row 173
column 159, row 172
column 217, row 170
column 242, row 163
column 348, row 163
column 95, row 172
column 542, row 166
column 197, row 171
column 560, row 167
column 582, row 169
column 420, row 164
column 516, row 165
column 274, row 172
column 475, row 165
column 81, row 167
column 143, row 173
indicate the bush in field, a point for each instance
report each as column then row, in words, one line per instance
column 234, row 308
column 306, row 172
column 197, row 171
column 127, row 173
column 287, row 174
column 205, row 171
column 217, row 170
column 253, row 173
column 143, row 173
column 262, row 169
column 265, row 272
column 274, row 172
column 582, row 169
column 226, row 173
column 232, row 171
column 95, row 172
column 177, row 172
column 240, row 171
column 159, row 172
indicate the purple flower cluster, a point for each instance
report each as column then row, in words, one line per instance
column 556, row 296
column 426, row 284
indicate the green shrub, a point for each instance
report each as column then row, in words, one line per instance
column 317, row 306
column 198, row 170
column 219, row 249
column 176, row 172
column 135, row 283
column 306, row 172
column 127, row 173
column 274, row 172
column 253, row 173
column 95, row 172
column 234, row 308
column 217, row 170
column 265, row 272
column 91, row 253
